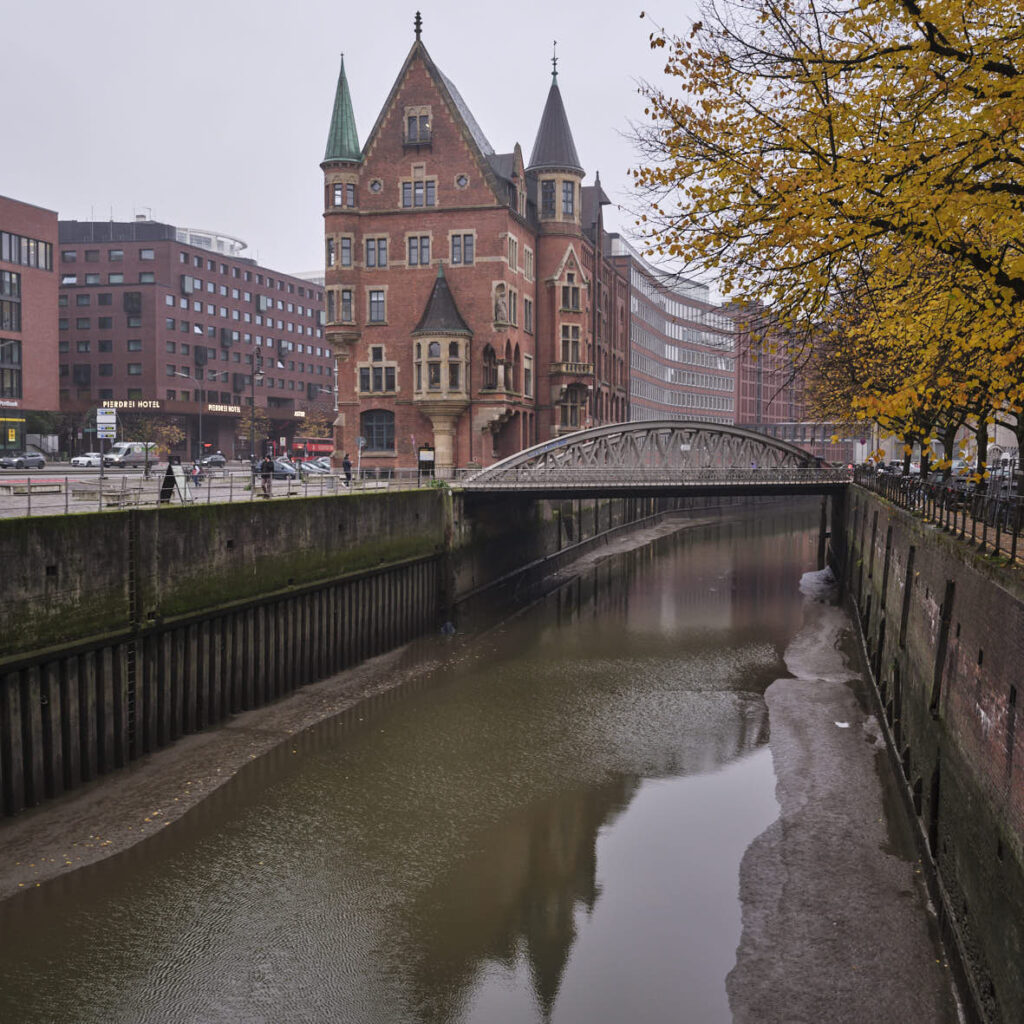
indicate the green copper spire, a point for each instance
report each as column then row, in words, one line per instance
column 343, row 140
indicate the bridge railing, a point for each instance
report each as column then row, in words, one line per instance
column 625, row 477
column 991, row 519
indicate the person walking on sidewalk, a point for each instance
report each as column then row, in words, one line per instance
column 266, row 475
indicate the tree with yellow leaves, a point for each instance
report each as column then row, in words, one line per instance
column 807, row 146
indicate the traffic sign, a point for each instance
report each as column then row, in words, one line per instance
column 106, row 423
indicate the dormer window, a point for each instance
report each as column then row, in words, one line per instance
column 417, row 127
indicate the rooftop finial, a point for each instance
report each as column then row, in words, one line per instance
column 554, row 61
column 418, row 24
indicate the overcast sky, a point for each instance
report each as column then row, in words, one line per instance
column 215, row 115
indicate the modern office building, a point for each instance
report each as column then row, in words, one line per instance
column 162, row 322
column 467, row 297
column 28, row 322
column 682, row 346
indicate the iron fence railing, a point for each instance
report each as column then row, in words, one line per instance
column 55, row 494
column 991, row 519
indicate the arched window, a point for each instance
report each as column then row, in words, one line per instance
column 443, row 371
column 490, row 371
column 516, row 369
column 378, row 427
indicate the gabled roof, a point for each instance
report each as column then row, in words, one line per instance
column 342, row 139
column 592, row 198
column 554, row 148
column 503, row 164
column 441, row 315
column 472, row 133
column 460, row 104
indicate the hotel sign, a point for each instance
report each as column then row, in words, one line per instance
column 132, row 403
column 223, row 408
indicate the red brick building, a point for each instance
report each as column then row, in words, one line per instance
column 770, row 393
column 162, row 321
column 466, row 297
column 28, row 322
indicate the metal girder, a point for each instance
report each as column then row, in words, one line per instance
column 652, row 451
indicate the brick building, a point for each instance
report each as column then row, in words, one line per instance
column 682, row 346
column 166, row 322
column 28, row 322
column 770, row 393
column 466, row 295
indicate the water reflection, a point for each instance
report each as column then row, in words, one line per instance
column 544, row 823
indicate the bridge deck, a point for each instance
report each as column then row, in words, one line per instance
column 577, row 482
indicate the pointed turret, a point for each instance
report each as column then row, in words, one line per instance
column 554, row 149
column 343, row 139
column 441, row 315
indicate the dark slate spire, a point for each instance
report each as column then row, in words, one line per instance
column 343, row 140
column 554, row 148
column 441, row 316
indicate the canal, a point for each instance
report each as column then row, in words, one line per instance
column 653, row 795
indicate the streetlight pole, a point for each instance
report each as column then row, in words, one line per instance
column 257, row 370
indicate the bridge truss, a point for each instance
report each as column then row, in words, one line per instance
column 660, row 456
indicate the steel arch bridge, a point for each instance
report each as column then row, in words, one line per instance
column 660, row 457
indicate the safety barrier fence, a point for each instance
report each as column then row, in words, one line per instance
column 990, row 519
column 53, row 494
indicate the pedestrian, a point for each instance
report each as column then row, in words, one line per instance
column 267, row 474
column 346, row 466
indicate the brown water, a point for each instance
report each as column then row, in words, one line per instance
column 547, row 824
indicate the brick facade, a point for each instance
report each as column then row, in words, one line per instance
column 537, row 343
column 944, row 629
column 28, row 325
column 138, row 300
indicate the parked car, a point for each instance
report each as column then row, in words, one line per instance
column 312, row 467
column 93, row 459
column 284, row 470
column 22, row 460
column 215, row 461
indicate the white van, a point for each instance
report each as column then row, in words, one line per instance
column 126, row 454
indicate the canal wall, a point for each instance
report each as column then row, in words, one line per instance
column 121, row 632
column 124, row 631
column 943, row 629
